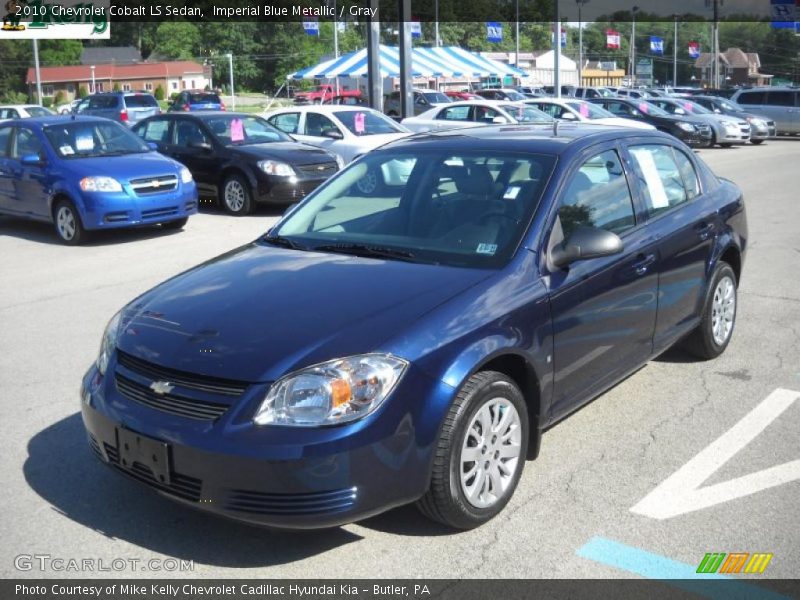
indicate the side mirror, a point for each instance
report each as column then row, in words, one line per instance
column 499, row 120
column 32, row 160
column 152, row 145
column 585, row 242
column 718, row 111
column 200, row 145
column 568, row 116
column 333, row 134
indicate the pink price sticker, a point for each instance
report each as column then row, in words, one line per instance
column 584, row 110
column 359, row 122
column 643, row 107
column 687, row 106
column 237, row 131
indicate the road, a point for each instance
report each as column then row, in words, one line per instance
column 572, row 511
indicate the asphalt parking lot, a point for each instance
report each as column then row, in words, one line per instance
column 571, row 515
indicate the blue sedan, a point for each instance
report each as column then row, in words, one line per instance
column 411, row 342
column 85, row 173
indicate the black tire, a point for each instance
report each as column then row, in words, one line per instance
column 756, row 142
column 68, row 225
column 236, row 185
column 701, row 342
column 176, row 224
column 725, row 145
column 445, row 501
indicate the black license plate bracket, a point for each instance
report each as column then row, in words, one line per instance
column 137, row 448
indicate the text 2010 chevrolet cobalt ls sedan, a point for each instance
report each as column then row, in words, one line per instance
column 412, row 343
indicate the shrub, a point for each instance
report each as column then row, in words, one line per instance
column 83, row 91
column 60, row 97
column 159, row 94
column 47, row 101
column 116, row 88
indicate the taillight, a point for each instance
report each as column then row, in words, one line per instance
column 185, row 107
column 123, row 115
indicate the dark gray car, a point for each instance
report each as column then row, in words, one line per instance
column 127, row 108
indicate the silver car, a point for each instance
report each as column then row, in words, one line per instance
column 725, row 130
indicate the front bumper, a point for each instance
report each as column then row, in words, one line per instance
column 763, row 133
column 275, row 476
column 285, row 191
column 125, row 209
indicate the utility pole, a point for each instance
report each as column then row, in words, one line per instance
column 580, row 4
column 38, row 72
column 436, row 23
column 230, row 71
column 335, row 40
column 374, row 78
column 675, row 54
column 94, row 89
column 633, row 46
column 516, row 37
column 557, row 53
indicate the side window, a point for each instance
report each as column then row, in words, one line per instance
column 286, row 122
column 189, row 132
column 484, row 114
column 5, row 137
column 26, row 144
column 8, row 113
column 780, row 98
column 661, row 178
column 551, row 109
column 317, row 124
column 156, row 131
column 455, row 113
column 688, row 174
column 751, row 98
column 598, row 196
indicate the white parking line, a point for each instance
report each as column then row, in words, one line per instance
column 681, row 492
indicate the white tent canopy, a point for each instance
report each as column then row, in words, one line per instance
column 448, row 61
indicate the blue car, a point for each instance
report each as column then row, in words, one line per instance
column 89, row 173
column 192, row 100
column 411, row 342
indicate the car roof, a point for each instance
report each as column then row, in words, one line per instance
column 56, row 119
column 324, row 108
column 522, row 137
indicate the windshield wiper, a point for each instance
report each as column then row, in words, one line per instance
column 367, row 251
column 283, row 242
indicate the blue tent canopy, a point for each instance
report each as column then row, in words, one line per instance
column 447, row 61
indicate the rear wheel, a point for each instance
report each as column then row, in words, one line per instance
column 756, row 142
column 480, row 453
column 68, row 223
column 714, row 332
column 236, row 196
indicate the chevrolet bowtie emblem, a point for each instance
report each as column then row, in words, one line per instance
column 162, row 387
column 156, row 183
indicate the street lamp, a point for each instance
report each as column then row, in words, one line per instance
column 93, row 88
column 580, row 4
column 634, row 10
column 230, row 71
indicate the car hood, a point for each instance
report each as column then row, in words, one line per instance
column 294, row 153
column 374, row 141
column 621, row 122
column 131, row 166
column 259, row 312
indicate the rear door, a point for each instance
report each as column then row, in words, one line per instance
column 783, row 104
column 314, row 128
column 30, row 184
column 6, row 181
column 140, row 106
column 685, row 222
column 603, row 309
column 186, row 136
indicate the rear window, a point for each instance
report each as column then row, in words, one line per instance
column 141, row 101
column 201, row 98
column 780, row 98
column 751, row 98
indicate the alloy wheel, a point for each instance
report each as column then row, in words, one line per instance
column 723, row 310
column 65, row 222
column 234, row 195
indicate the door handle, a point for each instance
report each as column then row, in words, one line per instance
column 704, row 230
column 643, row 263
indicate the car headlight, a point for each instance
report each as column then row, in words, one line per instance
column 108, row 343
column 730, row 125
column 186, row 175
column 756, row 122
column 100, row 184
column 337, row 391
column 686, row 126
column 274, row 167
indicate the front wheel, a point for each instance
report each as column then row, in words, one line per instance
column 236, row 198
column 714, row 332
column 68, row 224
column 756, row 142
column 480, row 453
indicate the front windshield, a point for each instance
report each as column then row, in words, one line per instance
column 467, row 209
column 526, row 114
column 80, row 139
column 590, row 111
column 515, row 96
column 436, row 97
column 693, row 107
column 606, row 93
column 241, row 130
column 649, row 108
column 368, row 122
column 731, row 106
column 38, row 111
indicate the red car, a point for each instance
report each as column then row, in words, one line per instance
column 462, row 95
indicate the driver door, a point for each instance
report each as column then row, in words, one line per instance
column 313, row 129
column 603, row 309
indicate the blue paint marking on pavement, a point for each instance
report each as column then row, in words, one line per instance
column 684, row 576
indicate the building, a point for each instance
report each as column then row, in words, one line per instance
column 116, row 55
column 600, row 73
column 736, row 68
column 540, row 66
column 171, row 76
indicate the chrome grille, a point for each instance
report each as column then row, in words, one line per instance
column 290, row 504
column 318, row 170
column 154, row 185
column 175, row 404
column 202, row 383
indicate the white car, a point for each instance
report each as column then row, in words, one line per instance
column 582, row 111
column 66, row 109
column 474, row 113
column 347, row 131
column 23, row 111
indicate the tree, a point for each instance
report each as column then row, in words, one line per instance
column 177, row 40
column 58, row 53
column 159, row 93
column 116, row 87
column 83, row 91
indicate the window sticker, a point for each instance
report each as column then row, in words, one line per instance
column 643, row 107
column 511, row 192
column 658, row 195
column 84, row 143
column 237, row 130
column 584, row 110
column 687, row 106
column 66, row 150
column 359, row 122
column 489, row 249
